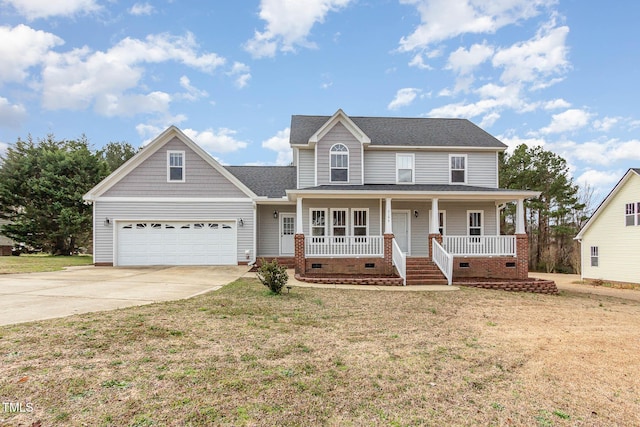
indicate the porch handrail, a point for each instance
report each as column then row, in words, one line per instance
column 480, row 245
column 336, row 246
column 399, row 260
column 443, row 260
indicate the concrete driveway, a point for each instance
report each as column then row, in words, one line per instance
column 37, row 296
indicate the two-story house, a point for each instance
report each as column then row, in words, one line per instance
column 366, row 199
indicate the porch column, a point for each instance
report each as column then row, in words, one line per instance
column 520, row 217
column 388, row 237
column 300, row 263
column 387, row 216
column 522, row 243
column 434, row 225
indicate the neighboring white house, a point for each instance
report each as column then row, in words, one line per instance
column 610, row 240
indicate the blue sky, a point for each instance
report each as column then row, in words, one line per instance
column 557, row 73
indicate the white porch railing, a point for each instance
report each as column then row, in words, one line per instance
column 443, row 260
column 336, row 246
column 480, row 245
column 400, row 261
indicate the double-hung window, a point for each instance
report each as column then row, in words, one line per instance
column 475, row 225
column 339, row 163
column 339, row 224
column 360, row 224
column 632, row 214
column 458, row 168
column 594, row 256
column 318, row 219
column 405, row 168
column 175, row 166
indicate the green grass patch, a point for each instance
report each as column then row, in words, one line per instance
column 40, row 263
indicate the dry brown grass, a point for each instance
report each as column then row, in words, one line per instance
column 239, row 356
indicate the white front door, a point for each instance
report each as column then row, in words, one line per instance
column 400, row 226
column 287, row 233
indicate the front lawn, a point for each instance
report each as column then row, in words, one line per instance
column 38, row 263
column 239, row 356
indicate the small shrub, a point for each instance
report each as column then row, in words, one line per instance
column 273, row 275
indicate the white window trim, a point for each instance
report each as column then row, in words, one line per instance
column 466, row 168
column 596, row 256
column 413, row 168
column 326, row 221
column 481, row 212
column 184, row 165
column 348, row 153
column 444, row 220
column 353, row 210
column 346, row 216
column 635, row 214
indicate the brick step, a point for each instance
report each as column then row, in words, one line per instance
column 423, row 275
column 427, row 282
column 423, row 271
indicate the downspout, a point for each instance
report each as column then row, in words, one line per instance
column 252, row 261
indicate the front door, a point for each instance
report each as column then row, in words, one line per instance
column 400, row 225
column 287, row 233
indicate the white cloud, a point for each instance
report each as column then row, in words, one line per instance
column 418, row 62
column 242, row 74
column 23, row 47
column 463, row 61
column 603, row 152
column 80, row 78
column 3, row 149
column 555, row 104
column 445, row 19
column 605, row 124
column 600, row 181
column 142, row 9
column 542, row 56
column 280, row 144
column 288, row 24
column 222, row 140
column 567, row 121
column 111, row 105
column 403, row 98
column 193, row 93
column 11, row 115
column 33, row 9
column 514, row 141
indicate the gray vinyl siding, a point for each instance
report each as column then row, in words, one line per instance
column 457, row 217
column 4, row 240
column 379, row 167
column 269, row 229
column 373, row 205
column 339, row 134
column 143, row 210
column 306, row 169
column 431, row 167
column 483, row 170
column 149, row 179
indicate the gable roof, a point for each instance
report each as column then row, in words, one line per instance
column 607, row 199
column 266, row 181
column 155, row 145
column 401, row 131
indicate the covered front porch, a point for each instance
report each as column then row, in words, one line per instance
column 359, row 235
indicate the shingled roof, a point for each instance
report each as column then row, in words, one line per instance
column 266, row 181
column 399, row 131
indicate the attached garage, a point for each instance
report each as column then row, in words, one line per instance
column 176, row 243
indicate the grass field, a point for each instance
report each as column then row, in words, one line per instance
column 38, row 263
column 240, row 356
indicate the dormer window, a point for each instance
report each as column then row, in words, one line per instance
column 175, row 166
column 339, row 163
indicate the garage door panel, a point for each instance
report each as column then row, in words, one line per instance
column 177, row 243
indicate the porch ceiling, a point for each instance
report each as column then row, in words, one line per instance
column 412, row 192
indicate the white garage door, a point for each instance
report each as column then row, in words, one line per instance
column 177, row 243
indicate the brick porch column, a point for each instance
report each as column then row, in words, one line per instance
column 522, row 256
column 438, row 237
column 388, row 253
column 299, row 254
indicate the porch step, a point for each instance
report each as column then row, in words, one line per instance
column 422, row 271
